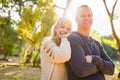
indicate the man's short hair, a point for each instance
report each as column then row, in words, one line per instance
column 77, row 14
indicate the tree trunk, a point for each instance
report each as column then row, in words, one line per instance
column 34, row 61
column 5, row 56
column 111, row 15
column 115, row 36
column 29, row 54
column 67, row 7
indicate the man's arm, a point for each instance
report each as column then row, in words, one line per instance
column 78, row 63
column 104, row 63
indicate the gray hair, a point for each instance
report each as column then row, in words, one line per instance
column 77, row 14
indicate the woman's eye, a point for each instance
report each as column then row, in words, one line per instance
column 62, row 26
column 68, row 29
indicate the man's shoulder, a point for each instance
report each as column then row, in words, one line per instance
column 74, row 36
column 97, row 42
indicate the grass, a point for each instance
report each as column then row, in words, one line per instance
column 18, row 73
column 29, row 73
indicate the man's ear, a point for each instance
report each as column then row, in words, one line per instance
column 77, row 19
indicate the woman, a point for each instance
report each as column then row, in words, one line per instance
column 56, row 51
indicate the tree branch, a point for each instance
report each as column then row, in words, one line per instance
column 67, row 7
column 106, row 7
column 114, row 7
column 59, row 7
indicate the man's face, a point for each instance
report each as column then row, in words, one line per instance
column 84, row 18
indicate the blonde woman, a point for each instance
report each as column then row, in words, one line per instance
column 56, row 51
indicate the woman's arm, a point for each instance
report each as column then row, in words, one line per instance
column 57, row 54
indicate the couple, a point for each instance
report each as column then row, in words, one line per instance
column 77, row 56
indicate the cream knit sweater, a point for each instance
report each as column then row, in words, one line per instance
column 53, row 59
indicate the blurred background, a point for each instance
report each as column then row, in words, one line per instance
column 25, row 23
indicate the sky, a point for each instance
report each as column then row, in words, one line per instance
column 101, row 20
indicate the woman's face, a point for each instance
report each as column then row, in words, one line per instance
column 63, row 28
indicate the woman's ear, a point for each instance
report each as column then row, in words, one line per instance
column 56, row 28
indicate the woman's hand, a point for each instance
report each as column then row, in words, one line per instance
column 88, row 58
column 66, row 35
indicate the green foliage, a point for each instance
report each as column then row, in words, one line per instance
column 27, row 28
column 33, row 57
column 9, row 41
column 112, row 52
column 110, row 45
column 36, row 23
column 4, row 2
column 36, row 20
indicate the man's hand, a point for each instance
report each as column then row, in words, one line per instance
column 88, row 58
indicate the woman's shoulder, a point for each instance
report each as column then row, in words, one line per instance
column 46, row 40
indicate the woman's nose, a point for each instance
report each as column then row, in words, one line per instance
column 65, row 31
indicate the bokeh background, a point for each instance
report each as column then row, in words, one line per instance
column 25, row 23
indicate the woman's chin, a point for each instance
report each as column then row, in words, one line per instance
column 60, row 36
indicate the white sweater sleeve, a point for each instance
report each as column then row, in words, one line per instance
column 59, row 54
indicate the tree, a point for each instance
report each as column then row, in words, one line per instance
column 110, row 45
column 36, row 18
column 36, row 23
column 8, row 38
column 67, row 7
column 111, row 18
column 9, row 41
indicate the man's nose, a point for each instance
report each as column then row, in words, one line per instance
column 86, row 18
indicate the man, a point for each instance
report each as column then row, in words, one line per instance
column 89, row 61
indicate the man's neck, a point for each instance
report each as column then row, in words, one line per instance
column 85, row 32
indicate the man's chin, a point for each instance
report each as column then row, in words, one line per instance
column 87, row 27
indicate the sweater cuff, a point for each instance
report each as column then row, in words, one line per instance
column 96, row 60
column 64, row 39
